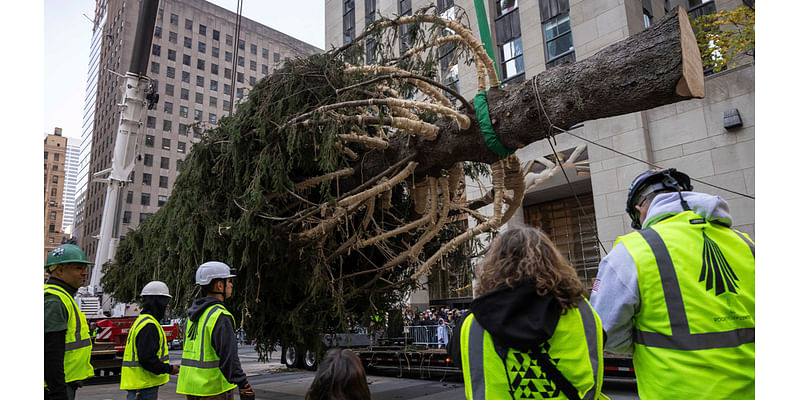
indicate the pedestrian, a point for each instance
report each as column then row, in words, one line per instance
column 145, row 363
column 441, row 334
column 678, row 293
column 340, row 376
column 67, row 343
column 210, row 367
column 530, row 333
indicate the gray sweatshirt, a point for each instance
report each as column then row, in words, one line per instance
column 615, row 295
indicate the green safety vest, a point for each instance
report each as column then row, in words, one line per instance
column 200, row 374
column 134, row 376
column 575, row 348
column 694, row 333
column 78, row 345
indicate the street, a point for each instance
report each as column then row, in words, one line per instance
column 271, row 380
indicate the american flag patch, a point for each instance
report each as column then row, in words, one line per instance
column 596, row 285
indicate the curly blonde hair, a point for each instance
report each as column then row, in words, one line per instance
column 527, row 256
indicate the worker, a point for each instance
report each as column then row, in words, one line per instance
column 67, row 344
column 210, row 367
column 145, row 364
column 678, row 293
column 530, row 333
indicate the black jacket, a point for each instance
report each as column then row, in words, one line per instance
column 54, row 354
column 516, row 318
column 147, row 346
column 223, row 340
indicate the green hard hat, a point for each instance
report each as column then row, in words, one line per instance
column 66, row 253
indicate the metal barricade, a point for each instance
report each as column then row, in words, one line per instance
column 425, row 334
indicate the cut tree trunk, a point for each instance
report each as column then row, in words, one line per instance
column 660, row 65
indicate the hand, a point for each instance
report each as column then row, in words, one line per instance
column 246, row 392
column 175, row 369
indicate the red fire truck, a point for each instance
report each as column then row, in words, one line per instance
column 109, row 342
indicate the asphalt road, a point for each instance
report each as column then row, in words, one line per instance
column 271, row 380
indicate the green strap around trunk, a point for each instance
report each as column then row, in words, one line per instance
column 485, row 121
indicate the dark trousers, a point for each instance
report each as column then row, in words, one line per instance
column 222, row 396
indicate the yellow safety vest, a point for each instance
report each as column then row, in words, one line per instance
column 695, row 329
column 134, row 376
column 200, row 374
column 575, row 348
column 78, row 344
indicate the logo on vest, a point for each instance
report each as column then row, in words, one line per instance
column 716, row 272
column 526, row 378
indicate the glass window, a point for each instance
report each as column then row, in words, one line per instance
column 512, row 61
column 187, row 60
column 212, row 85
column 187, row 42
column 252, row 80
column 181, row 147
column 276, row 57
column 201, row 65
column 161, row 198
column 148, row 160
column 264, row 53
column 239, row 93
column 201, row 47
column 145, row 199
column 215, row 34
column 170, row 72
column 151, row 121
column 154, row 67
column 173, row 19
column 168, row 107
column 348, row 21
column 241, row 44
column 178, row 164
column 228, row 73
column 253, row 65
column 184, row 111
column 558, row 36
column 165, row 162
column 183, row 129
column 144, row 216
column 264, row 69
column 240, row 61
column 156, row 50
column 215, row 52
column 188, row 24
column 198, row 98
column 228, row 56
column 228, row 40
column 171, row 54
column 198, row 115
column 157, row 33
column 147, row 179
column 165, row 143
column 129, row 197
column 149, row 140
column 200, row 81
column 201, row 29
column 126, row 217
column 167, row 126
column 184, row 94
column 173, row 37
column 226, row 105
column 253, row 49
column 215, row 69
column 212, row 118
column 163, row 182
column 186, row 77
column 212, row 101
column 239, row 77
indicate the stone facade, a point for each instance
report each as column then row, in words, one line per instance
column 55, row 154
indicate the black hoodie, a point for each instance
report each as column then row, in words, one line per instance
column 147, row 347
column 516, row 318
column 223, row 340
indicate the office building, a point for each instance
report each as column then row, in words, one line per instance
column 55, row 150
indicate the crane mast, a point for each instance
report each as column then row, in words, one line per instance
column 132, row 109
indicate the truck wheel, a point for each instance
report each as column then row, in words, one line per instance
column 293, row 353
column 310, row 360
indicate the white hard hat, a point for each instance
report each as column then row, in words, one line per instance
column 211, row 270
column 155, row 288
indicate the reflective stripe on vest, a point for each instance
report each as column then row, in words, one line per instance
column 681, row 338
column 200, row 374
column 133, row 375
column 475, row 341
column 77, row 342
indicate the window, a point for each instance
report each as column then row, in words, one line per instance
column 171, row 54
column 264, row 53
column 512, row 61
column 53, row 192
column 200, row 81
column 168, row 107
column 239, row 93
column 181, row 147
column 154, row 67
column 213, row 85
column 252, row 80
column 215, row 34
column 404, row 8
column 239, row 77
column 348, row 21
column 558, row 45
column 167, row 126
column 215, row 69
column 228, row 73
column 53, row 214
column 264, row 69
column 126, row 217
column 55, row 179
column 187, row 42
column 196, row 131
column 45, row 155
column 276, row 57
column 509, row 40
column 163, row 181
column 148, row 160
column 129, row 197
column 173, row 37
column 198, row 115
column 212, row 101
column 55, row 167
column 228, row 40
column 173, row 19
column 165, row 160
column 164, row 146
column 201, row 47
column 201, row 29
column 183, row 129
column 226, row 89
column 253, row 65
column 240, row 61
column 241, row 44
column 56, row 157
column 147, row 179
column 187, row 60
column 215, row 52
column 253, row 49
column 170, row 72
column 188, row 24
column 186, row 77
column 145, row 199
column 144, row 216
column 156, row 50
column 178, row 164
column 698, row 8
column 149, row 140
column 226, row 105
column 184, row 94
column 198, row 98
column 201, row 65
column 369, row 17
column 212, row 118
column 151, row 121
column 184, row 111
column 228, row 56
column 52, row 228
column 157, row 33
column 161, row 198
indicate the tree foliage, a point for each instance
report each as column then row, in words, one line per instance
column 725, row 36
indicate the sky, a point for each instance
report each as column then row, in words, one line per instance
column 68, row 31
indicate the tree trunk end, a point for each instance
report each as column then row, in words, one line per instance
column 692, row 83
